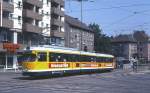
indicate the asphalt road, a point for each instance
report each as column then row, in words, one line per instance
column 113, row 82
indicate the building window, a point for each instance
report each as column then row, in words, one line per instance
column 47, row 26
column 141, row 49
column 42, row 12
column 20, row 38
column 19, row 19
column 47, row 2
column 37, row 9
column 19, row 4
column 42, row 24
column 71, row 40
column 37, row 23
column 6, row 14
column 61, row 29
column 47, row 13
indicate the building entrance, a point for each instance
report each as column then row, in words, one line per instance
column 2, row 60
column 9, row 61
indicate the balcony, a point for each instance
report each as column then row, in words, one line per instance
column 34, row 2
column 56, row 22
column 31, row 28
column 57, row 11
column 8, row 7
column 60, row 2
column 31, row 14
column 56, row 33
column 7, row 23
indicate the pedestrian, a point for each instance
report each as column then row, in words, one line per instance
column 134, row 66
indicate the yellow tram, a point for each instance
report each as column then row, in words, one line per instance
column 49, row 60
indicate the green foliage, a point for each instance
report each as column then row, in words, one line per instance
column 102, row 42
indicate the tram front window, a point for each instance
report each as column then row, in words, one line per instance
column 27, row 58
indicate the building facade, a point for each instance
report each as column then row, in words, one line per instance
column 78, row 35
column 143, row 45
column 124, row 46
column 27, row 23
column 136, row 45
column 57, row 22
column 10, row 26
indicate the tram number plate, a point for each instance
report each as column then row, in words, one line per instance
column 58, row 65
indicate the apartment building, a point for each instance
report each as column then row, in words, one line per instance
column 143, row 45
column 10, row 26
column 57, row 22
column 136, row 45
column 24, row 23
column 124, row 46
column 78, row 35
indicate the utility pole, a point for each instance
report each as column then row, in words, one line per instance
column 81, row 6
column 81, row 10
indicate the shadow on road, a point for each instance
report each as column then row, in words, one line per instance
column 57, row 76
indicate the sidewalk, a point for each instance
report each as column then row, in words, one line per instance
column 10, row 70
column 137, row 71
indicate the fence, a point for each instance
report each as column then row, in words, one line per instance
column 137, row 68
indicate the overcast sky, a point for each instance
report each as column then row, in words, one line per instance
column 114, row 16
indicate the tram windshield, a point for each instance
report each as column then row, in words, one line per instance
column 27, row 58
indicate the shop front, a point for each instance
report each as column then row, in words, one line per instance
column 8, row 56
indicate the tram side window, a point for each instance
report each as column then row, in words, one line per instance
column 87, row 58
column 83, row 58
column 98, row 59
column 74, row 58
column 57, row 57
column 42, row 56
column 52, row 57
column 103, row 59
column 66, row 58
column 61, row 57
column 110, row 59
column 107, row 59
column 93, row 59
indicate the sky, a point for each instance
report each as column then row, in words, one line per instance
column 114, row 16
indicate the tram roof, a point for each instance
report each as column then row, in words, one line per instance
column 96, row 54
column 66, row 50
column 55, row 49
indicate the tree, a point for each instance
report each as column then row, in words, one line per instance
column 102, row 42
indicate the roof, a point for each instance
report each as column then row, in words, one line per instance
column 141, row 36
column 74, row 22
column 124, row 39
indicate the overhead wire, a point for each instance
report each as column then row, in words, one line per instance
column 112, row 7
column 134, row 13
